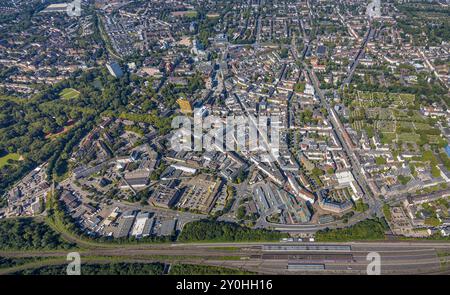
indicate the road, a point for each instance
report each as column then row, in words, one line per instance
column 355, row 62
column 361, row 50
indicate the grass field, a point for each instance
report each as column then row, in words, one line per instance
column 213, row 15
column 69, row 93
column 4, row 160
column 191, row 13
column 186, row 13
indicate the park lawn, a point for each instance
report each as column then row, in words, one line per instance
column 69, row 93
column 187, row 13
column 192, row 13
column 4, row 160
column 213, row 15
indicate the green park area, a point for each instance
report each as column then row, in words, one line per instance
column 213, row 15
column 4, row 160
column 186, row 13
column 69, row 93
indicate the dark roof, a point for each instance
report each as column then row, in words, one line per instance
column 321, row 50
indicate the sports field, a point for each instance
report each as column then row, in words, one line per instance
column 69, row 93
column 186, row 13
column 4, row 160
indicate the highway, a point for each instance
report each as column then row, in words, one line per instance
column 269, row 258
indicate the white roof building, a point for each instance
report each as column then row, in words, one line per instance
column 346, row 178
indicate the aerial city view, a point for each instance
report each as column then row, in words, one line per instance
column 183, row 137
